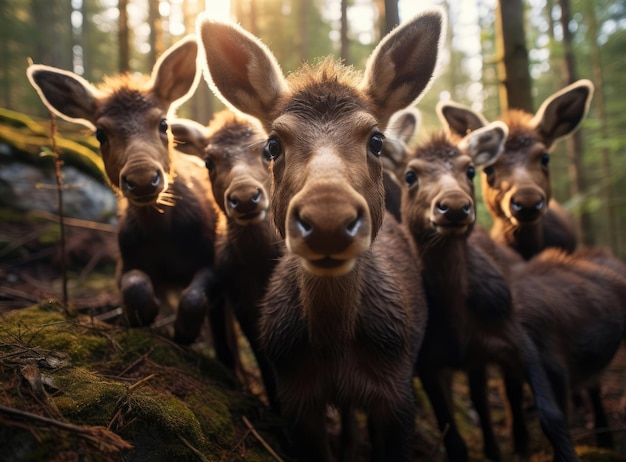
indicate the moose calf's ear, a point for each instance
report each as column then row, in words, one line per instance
column 484, row 145
column 240, row 69
column 66, row 94
column 403, row 65
column 175, row 75
column 459, row 120
column 563, row 112
column 404, row 124
column 189, row 136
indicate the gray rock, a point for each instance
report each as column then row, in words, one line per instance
column 26, row 187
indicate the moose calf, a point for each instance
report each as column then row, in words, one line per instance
column 470, row 320
column 247, row 246
column 344, row 315
column 516, row 188
column 167, row 216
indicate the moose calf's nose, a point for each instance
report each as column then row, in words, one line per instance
column 244, row 200
column 141, row 184
column 453, row 211
column 326, row 234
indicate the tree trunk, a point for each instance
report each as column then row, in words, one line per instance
column 345, row 44
column 253, row 21
column 574, row 143
column 52, row 20
column 303, row 31
column 513, row 69
column 123, row 37
column 85, row 33
column 157, row 44
column 605, row 157
column 392, row 15
column 201, row 106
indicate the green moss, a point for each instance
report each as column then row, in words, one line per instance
column 172, row 404
column 47, row 328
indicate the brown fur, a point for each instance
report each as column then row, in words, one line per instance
column 516, row 189
column 471, row 322
column 573, row 308
column 326, row 335
column 167, row 216
column 552, row 227
column 343, row 317
column 247, row 247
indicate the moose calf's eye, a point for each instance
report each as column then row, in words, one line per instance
column 101, row 136
column 273, row 148
column 209, row 163
column 545, row 159
column 471, row 172
column 163, row 126
column 410, row 178
column 376, row 143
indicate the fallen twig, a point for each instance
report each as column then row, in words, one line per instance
column 192, row 449
column 104, row 439
column 139, row 360
column 261, row 440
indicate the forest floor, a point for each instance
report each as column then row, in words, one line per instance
column 31, row 269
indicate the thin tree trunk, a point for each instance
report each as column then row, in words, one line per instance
column 605, row 157
column 254, row 26
column 513, row 69
column 85, row 33
column 201, row 106
column 345, row 44
column 157, row 44
column 303, row 31
column 574, row 143
column 392, row 15
column 5, row 75
column 123, row 37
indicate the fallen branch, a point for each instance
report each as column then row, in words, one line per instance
column 104, row 439
column 261, row 440
column 192, row 449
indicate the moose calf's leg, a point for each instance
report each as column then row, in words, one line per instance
column 454, row 444
column 514, row 388
column 222, row 330
column 603, row 436
column 478, row 393
column 193, row 307
column 547, row 385
column 247, row 316
column 307, row 433
column 391, row 430
column 349, row 442
column 140, row 304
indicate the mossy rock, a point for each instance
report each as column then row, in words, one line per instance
column 78, row 389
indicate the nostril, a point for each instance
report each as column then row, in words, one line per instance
column 156, row 180
column 467, row 209
column 515, row 206
column 304, row 227
column 127, row 184
column 353, row 227
column 257, row 198
column 442, row 208
column 233, row 203
column 539, row 205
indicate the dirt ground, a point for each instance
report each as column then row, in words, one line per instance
column 31, row 268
